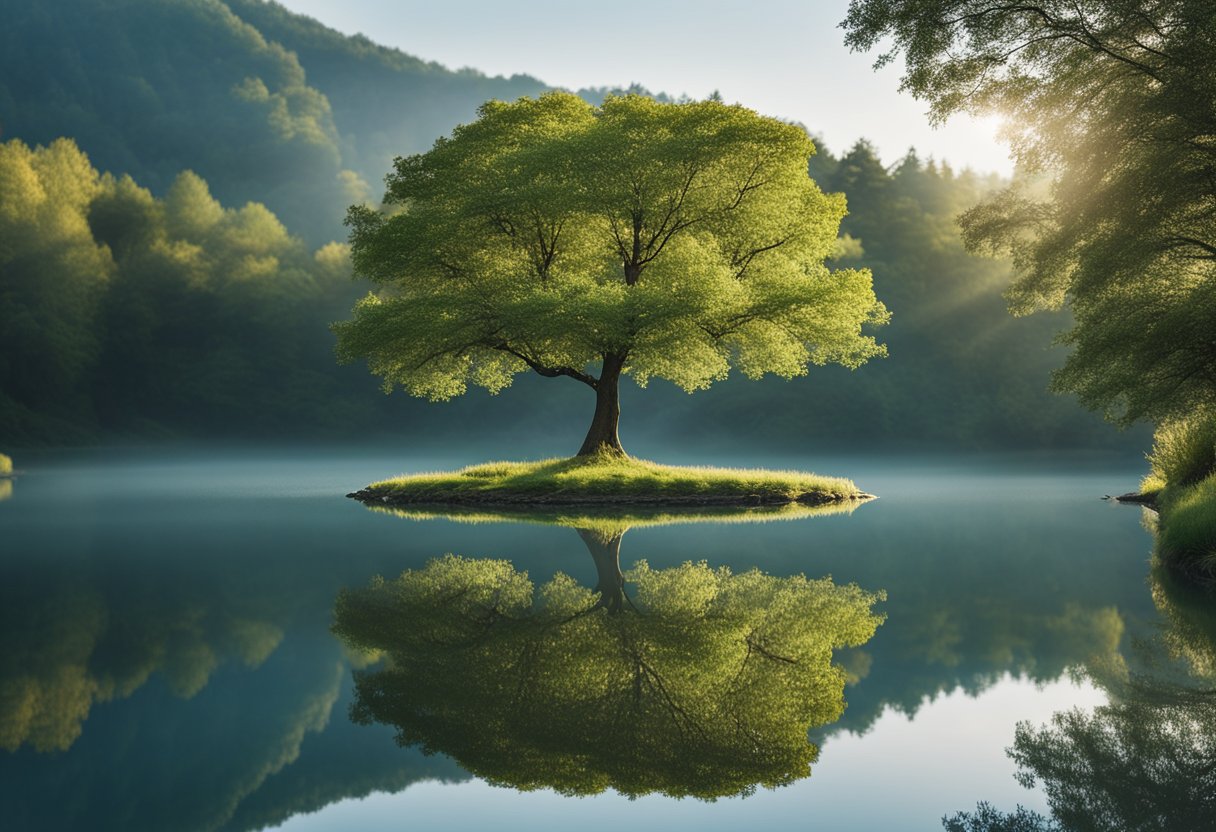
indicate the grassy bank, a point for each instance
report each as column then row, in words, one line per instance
column 608, row 481
column 1182, row 487
column 1186, row 528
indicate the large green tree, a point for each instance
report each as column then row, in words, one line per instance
column 1111, row 121
column 660, row 240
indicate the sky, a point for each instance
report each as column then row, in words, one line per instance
column 783, row 58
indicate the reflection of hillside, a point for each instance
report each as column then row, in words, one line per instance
column 65, row 648
column 704, row 684
column 975, row 601
column 927, row 652
column 1146, row 760
column 341, row 762
column 155, row 762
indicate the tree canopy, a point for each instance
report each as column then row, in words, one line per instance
column 658, row 240
column 1110, row 119
column 703, row 685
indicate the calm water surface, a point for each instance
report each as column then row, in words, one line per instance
column 169, row 663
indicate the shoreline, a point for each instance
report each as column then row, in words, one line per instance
column 368, row 496
column 1135, row 498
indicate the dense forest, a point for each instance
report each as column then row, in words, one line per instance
column 174, row 180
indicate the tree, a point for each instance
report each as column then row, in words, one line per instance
column 658, row 240
column 704, row 684
column 1111, row 123
column 52, row 277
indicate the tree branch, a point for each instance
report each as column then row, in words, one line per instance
column 746, row 260
column 1083, row 37
column 549, row 372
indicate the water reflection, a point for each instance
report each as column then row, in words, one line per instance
column 688, row 681
column 170, row 653
column 1145, row 761
column 975, row 597
column 66, row 648
column 618, row 520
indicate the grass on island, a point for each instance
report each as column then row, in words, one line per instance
column 608, row 480
column 6, row 466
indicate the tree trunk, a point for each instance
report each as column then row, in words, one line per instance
column 602, row 437
column 605, row 550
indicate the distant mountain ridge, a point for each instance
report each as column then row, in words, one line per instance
column 265, row 104
column 280, row 109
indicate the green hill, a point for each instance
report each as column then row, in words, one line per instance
column 265, row 105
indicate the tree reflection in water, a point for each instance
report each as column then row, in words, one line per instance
column 689, row 681
column 1146, row 760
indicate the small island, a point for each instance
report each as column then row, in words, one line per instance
column 609, row 479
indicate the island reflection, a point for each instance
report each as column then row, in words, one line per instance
column 690, row 681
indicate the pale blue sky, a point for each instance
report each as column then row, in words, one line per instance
column 783, row 58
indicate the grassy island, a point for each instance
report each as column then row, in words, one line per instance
column 608, row 480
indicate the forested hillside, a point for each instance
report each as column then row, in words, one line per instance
column 385, row 103
column 960, row 370
column 145, row 290
column 263, row 104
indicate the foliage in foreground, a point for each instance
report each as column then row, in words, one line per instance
column 986, row 818
column 1184, row 451
column 1186, row 528
column 609, row 475
column 707, row 689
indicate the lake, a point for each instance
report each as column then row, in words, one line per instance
column 169, row 662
